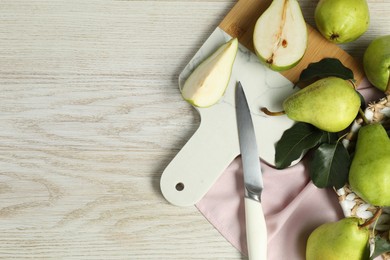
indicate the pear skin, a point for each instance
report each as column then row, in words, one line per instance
column 330, row 104
column 376, row 63
column 369, row 174
column 342, row 21
column 341, row 240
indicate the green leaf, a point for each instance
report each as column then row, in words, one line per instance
column 329, row 138
column 294, row 142
column 381, row 246
column 330, row 166
column 325, row 68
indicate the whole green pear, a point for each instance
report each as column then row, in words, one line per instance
column 330, row 104
column 376, row 63
column 342, row 21
column 369, row 174
column 341, row 240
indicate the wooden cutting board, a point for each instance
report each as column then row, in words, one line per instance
column 240, row 22
column 215, row 143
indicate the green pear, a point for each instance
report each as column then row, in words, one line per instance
column 280, row 35
column 341, row 240
column 369, row 174
column 376, row 63
column 342, row 21
column 330, row 104
column 208, row 82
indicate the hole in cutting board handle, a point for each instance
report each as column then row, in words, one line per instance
column 179, row 186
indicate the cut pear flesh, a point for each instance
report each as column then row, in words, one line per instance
column 280, row 35
column 207, row 83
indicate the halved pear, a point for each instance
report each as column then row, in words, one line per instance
column 208, row 82
column 280, row 35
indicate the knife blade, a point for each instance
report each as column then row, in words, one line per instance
column 256, row 230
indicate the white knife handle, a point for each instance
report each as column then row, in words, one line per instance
column 256, row 230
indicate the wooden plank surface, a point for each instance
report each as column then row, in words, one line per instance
column 240, row 22
column 91, row 114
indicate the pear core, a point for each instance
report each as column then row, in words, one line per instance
column 280, row 35
column 208, row 82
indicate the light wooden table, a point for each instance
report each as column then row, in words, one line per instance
column 91, row 114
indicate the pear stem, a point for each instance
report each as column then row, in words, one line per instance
column 365, row 120
column 353, row 83
column 270, row 113
column 342, row 137
column 373, row 219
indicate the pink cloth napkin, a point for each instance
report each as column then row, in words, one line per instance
column 292, row 205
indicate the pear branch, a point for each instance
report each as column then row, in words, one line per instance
column 373, row 219
column 270, row 113
column 365, row 120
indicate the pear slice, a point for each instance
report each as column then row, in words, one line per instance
column 280, row 35
column 208, row 82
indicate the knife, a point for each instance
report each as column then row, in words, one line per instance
column 256, row 230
